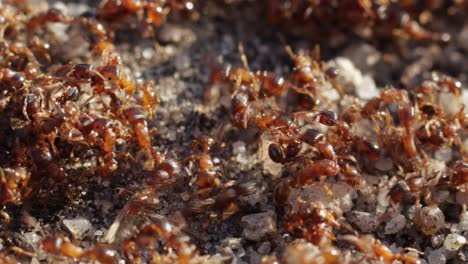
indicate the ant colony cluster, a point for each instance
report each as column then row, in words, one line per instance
column 329, row 176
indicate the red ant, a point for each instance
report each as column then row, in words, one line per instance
column 61, row 245
column 374, row 249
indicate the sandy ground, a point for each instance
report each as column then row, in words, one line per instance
column 191, row 106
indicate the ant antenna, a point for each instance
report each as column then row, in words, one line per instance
column 287, row 47
column 243, row 56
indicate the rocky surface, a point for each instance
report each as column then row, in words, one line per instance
column 191, row 105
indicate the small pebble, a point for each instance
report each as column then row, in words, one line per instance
column 429, row 219
column 170, row 33
column 352, row 79
column 463, row 224
column 443, row 154
column 385, row 164
column 148, row 53
column 437, row 256
column 463, row 38
column 366, row 222
column 437, row 240
column 182, row 61
column 259, row 226
column 238, row 147
column 78, row 227
column 302, row 253
column 264, row 248
column 395, row 225
column 454, row 242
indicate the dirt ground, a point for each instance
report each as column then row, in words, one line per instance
column 188, row 50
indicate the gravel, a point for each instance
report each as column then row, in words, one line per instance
column 366, row 222
column 191, row 106
column 259, row 226
column 454, row 242
column 78, row 226
column 395, row 225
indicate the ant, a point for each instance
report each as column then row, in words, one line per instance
column 44, row 161
column 164, row 231
column 52, row 15
column 374, row 249
column 312, row 221
column 206, row 174
column 249, row 88
column 376, row 15
column 135, row 117
column 10, row 80
column 58, row 244
column 327, row 162
column 149, row 12
column 406, row 114
column 224, row 199
column 102, row 131
column 460, row 173
column 13, row 185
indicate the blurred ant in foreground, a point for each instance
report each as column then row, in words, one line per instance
column 374, row 249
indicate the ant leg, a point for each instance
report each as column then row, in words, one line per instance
column 5, row 216
column 323, row 185
column 20, row 251
column 51, row 138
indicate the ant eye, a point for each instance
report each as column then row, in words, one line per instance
column 332, row 73
column 276, row 153
column 16, row 81
column 41, row 156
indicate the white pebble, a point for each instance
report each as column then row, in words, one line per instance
column 78, row 227
column 148, row 53
column 302, row 253
column 463, row 224
column 443, row 154
column 382, row 201
column 331, row 94
column 450, row 104
column 238, row 147
column 454, row 242
column 353, row 80
column 367, row 88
